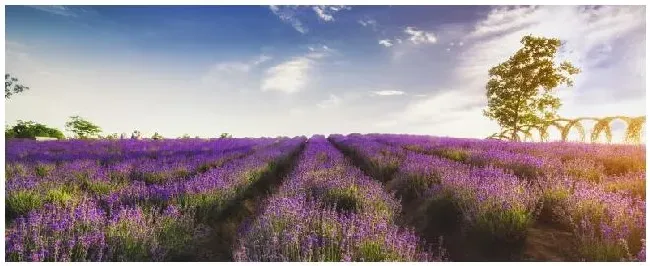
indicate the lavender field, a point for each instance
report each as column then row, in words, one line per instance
column 373, row 197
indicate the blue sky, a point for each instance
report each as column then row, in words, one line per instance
column 286, row 70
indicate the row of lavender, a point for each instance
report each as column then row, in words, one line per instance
column 328, row 210
column 613, row 167
column 140, row 221
column 32, row 181
column 499, row 194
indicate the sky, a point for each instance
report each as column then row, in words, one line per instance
column 258, row 71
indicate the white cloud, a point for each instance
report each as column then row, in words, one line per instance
column 322, row 13
column 330, row 102
column 504, row 19
column 327, row 13
column 419, row 37
column 288, row 14
column 293, row 75
column 389, row 93
column 288, row 77
column 368, row 23
column 386, row 43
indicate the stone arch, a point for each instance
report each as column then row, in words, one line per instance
column 634, row 130
column 573, row 124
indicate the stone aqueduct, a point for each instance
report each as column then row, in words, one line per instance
column 602, row 125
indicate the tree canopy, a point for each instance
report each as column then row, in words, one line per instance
column 520, row 89
column 30, row 129
column 82, row 128
column 12, row 86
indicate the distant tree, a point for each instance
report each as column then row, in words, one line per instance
column 82, row 128
column 136, row 134
column 30, row 129
column 12, row 86
column 519, row 89
column 156, row 136
column 112, row 136
column 123, row 135
column 185, row 136
column 225, row 135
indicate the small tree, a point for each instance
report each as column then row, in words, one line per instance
column 225, row 135
column 30, row 129
column 82, row 128
column 12, row 86
column 513, row 91
column 156, row 136
column 185, row 136
column 136, row 134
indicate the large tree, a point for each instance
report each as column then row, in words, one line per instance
column 30, row 129
column 82, row 128
column 520, row 90
column 12, row 86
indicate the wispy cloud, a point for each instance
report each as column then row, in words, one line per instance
column 291, row 14
column 326, row 13
column 293, row 75
column 288, row 15
column 234, row 75
column 389, row 93
column 368, row 23
column 386, row 43
column 330, row 102
column 288, row 77
column 263, row 58
column 419, row 36
column 65, row 11
column 322, row 13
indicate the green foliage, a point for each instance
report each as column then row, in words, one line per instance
column 59, row 196
column 151, row 237
column 455, row 154
column 21, row 202
column 42, row 170
column 82, row 128
column 30, row 129
column 343, row 199
column 372, row 251
column 635, row 187
column 413, row 187
column 12, row 86
column 225, row 135
column 520, row 90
